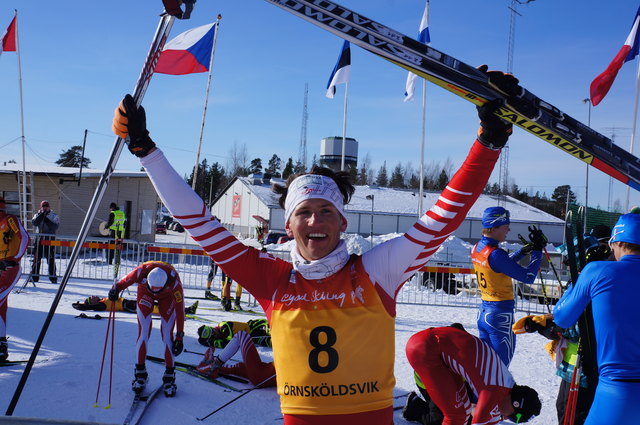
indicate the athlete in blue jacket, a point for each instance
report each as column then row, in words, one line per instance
column 612, row 289
column 494, row 271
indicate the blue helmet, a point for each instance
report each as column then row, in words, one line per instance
column 494, row 217
column 627, row 229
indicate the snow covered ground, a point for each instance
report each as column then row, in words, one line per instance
column 63, row 382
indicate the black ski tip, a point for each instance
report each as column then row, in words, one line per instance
column 85, row 316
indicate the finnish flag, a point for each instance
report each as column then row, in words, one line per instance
column 341, row 71
column 424, row 38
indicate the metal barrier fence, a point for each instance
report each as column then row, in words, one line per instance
column 456, row 286
column 438, row 284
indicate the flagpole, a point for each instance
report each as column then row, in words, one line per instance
column 633, row 131
column 24, row 165
column 206, row 103
column 422, row 144
column 344, row 124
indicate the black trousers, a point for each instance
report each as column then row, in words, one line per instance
column 49, row 253
column 111, row 252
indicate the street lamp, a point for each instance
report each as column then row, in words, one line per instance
column 371, row 197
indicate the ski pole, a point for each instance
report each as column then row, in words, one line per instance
column 241, row 395
column 104, row 353
column 572, row 399
column 544, row 292
column 193, row 352
column 159, row 39
column 555, row 272
column 112, row 318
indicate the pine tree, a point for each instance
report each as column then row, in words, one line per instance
column 216, row 181
column 274, row 166
column 288, row 169
column 560, row 195
column 443, row 179
column 201, row 185
column 299, row 168
column 414, row 181
column 397, row 177
column 72, row 157
column 363, row 174
column 255, row 167
column 382, row 180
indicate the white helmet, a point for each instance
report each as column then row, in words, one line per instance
column 156, row 279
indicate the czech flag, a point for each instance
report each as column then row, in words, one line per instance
column 602, row 83
column 188, row 53
column 8, row 39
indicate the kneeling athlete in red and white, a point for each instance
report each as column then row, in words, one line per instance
column 446, row 357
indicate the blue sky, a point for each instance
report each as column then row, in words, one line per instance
column 79, row 59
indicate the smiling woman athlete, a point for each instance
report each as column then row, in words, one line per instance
column 321, row 307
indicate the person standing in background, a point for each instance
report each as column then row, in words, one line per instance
column 46, row 223
column 116, row 226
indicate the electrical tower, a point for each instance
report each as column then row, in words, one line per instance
column 503, row 178
column 302, row 151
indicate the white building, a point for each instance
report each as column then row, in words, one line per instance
column 392, row 211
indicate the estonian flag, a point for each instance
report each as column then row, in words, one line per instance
column 188, row 53
column 602, row 83
column 425, row 38
column 340, row 74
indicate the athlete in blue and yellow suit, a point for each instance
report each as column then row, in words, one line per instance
column 494, row 271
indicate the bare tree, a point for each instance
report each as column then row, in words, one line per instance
column 238, row 162
column 409, row 174
column 447, row 167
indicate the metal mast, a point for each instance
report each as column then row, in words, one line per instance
column 302, row 152
column 503, row 181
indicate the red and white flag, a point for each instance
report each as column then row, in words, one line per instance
column 188, row 53
column 8, row 40
column 602, row 83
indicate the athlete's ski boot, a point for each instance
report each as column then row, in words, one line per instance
column 236, row 304
column 210, row 366
column 140, row 377
column 4, row 349
column 192, row 308
column 415, row 408
column 226, row 303
column 211, row 296
column 169, row 379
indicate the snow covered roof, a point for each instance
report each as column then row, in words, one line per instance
column 405, row 202
column 67, row 171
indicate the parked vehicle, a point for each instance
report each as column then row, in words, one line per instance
column 273, row 237
column 161, row 228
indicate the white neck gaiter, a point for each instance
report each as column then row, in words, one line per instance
column 322, row 268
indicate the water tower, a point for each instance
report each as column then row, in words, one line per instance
column 331, row 152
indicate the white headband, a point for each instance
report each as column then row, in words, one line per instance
column 312, row 186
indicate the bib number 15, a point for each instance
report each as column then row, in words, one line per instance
column 323, row 358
